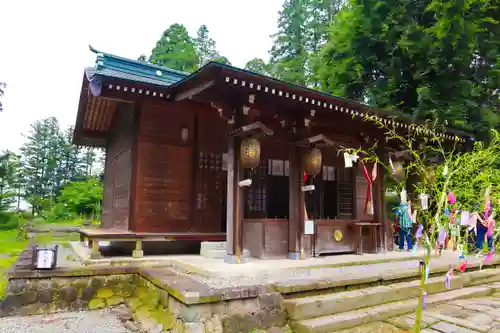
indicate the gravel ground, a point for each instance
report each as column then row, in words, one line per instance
column 74, row 322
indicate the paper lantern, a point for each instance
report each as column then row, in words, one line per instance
column 312, row 162
column 250, row 153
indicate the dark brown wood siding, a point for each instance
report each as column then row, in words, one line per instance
column 117, row 171
column 163, row 169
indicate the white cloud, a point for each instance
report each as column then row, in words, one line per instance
column 44, row 46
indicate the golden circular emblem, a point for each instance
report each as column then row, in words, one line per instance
column 337, row 235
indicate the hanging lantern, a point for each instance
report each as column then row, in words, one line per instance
column 250, row 153
column 312, row 162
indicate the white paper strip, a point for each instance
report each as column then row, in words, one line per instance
column 464, row 218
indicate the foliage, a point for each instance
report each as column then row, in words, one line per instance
column 82, row 197
column 302, row 31
column 3, row 85
column 9, row 165
column 468, row 175
column 9, row 221
column 259, row 66
column 176, row 50
column 49, row 160
column 431, row 59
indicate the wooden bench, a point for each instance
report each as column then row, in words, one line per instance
column 94, row 235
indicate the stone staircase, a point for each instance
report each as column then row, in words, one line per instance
column 347, row 309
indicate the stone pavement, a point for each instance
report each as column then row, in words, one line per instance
column 474, row 315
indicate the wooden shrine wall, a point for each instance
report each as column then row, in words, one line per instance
column 117, row 170
column 211, row 145
column 163, row 191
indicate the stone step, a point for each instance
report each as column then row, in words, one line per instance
column 217, row 250
column 328, row 304
column 345, row 320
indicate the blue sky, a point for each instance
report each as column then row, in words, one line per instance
column 44, row 46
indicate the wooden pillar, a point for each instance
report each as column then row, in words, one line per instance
column 234, row 202
column 296, row 203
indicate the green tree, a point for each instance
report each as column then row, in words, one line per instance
column 431, row 59
column 3, row 85
column 81, row 197
column 176, row 50
column 289, row 52
column 9, row 165
column 206, row 48
column 259, row 66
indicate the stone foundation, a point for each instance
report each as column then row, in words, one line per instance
column 150, row 306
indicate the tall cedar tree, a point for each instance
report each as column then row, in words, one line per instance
column 431, row 59
column 302, row 31
column 175, row 50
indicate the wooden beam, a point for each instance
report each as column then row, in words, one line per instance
column 255, row 128
column 319, row 139
column 194, row 91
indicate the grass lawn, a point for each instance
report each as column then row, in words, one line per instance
column 10, row 247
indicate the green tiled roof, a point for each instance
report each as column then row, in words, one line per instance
column 109, row 65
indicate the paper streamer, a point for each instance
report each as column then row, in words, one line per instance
column 445, row 170
column 392, row 166
column 489, row 233
column 427, row 271
column 404, row 197
column 420, row 230
column 424, row 201
column 446, row 212
column 424, row 299
column 374, row 172
column 462, row 267
column 442, row 236
column 464, row 217
column 414, row 251
column 447, row 278
column 488, row 258
column 487, row 209
column 451, row 198
column 461, row 256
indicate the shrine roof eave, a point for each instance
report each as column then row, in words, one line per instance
column 230, row 76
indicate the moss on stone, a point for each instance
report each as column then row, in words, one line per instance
column 114, row 300
column 105, row 292
column 166, row 319
column 96, row 303
column 142, row 313
column 134, row 303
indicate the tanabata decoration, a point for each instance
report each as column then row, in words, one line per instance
column 464, row 217
column 374, row 172
column 446, row 212
column 424, row 201
column 488, row 258
column 368, row 198
column 442, row 236
column 305, row 176
column 445, row 170
column 350, row 159
column 427, row 271
column 462, row 267
column 404, row 196
column 489, row 233
column 420, row 230
column 424, row 299
column 487, row 209
column 451, row 198
column 447, row 277
column 392, row 166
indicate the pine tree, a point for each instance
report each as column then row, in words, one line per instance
column 176, row 50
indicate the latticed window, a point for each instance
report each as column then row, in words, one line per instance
column 345, row 192
column 257, row 192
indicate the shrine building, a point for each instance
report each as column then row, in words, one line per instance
column 224, row 154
